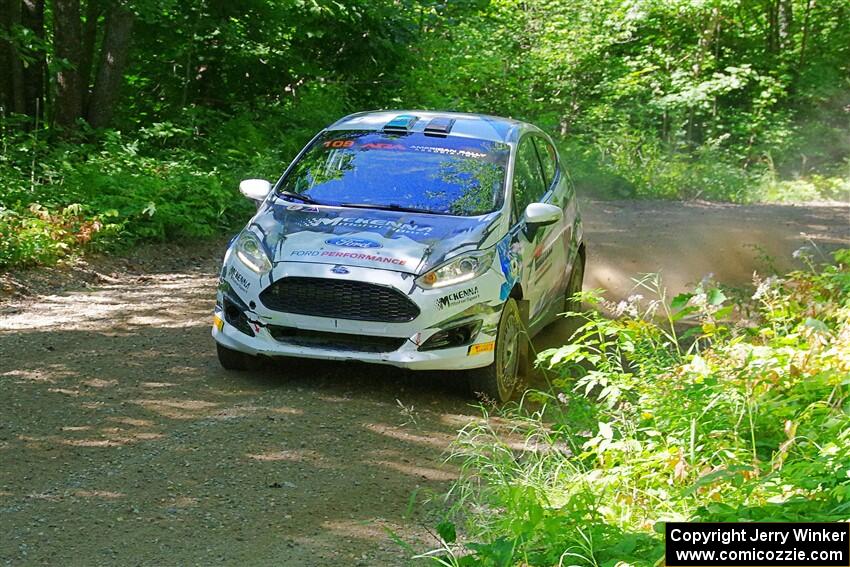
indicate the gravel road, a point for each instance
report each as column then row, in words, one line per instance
column 122, row 442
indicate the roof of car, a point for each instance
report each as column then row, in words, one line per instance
column 481, row 126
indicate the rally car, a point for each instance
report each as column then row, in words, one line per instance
column 424, row 240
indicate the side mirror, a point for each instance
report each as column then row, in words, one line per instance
column 255, row 189
column 542, row 214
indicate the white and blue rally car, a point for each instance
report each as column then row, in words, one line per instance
column 424, row 240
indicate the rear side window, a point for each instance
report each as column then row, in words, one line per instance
column 548, row 159
column 529, row 185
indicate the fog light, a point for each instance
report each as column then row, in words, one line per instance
column 459, row 335
column 235, row 315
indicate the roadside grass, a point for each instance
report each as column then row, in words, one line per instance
column 744, row 416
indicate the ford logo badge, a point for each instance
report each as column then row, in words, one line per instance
column 347, row 242
column 339, row 270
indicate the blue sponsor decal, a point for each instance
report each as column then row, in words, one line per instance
column 508, row 260
column 339, row 270
column 349, row 242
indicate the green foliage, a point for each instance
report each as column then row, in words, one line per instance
column 682, row 99
column 670, row 411
column 168, row 180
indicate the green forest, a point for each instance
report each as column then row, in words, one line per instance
column 130, row 121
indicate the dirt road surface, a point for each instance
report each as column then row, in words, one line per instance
column 122, row 442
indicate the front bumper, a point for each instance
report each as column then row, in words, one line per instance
column 436, row 314
column 406, row 357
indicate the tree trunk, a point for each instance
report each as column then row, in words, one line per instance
column 785, row 23
column 5, row 63
column 805, row 40
column 67, row 47
column 33, row 18
column 15, row 93
column 93, row 8
column 113, row 59
column 772, row 26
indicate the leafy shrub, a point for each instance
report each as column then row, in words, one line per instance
column 667, row 412
column 623, row 165
column 44, row 236
column 813, row 188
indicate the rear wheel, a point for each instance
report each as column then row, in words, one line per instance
column 574, row 285
column 233, row 359
column 501, row 380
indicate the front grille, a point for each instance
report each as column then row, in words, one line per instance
column 339, row 299
column 335, row 341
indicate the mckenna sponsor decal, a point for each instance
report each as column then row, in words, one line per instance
column 349, row 255
column 541, row 264
column 458, row 297
column 236, row 277
column 367, row 224
column 541, row 257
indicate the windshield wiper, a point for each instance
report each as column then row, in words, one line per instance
column 391, row 207
column 299, row 197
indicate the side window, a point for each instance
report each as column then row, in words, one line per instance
column 548, row 159
column 528, row 179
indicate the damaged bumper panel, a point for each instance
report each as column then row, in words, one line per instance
column 372, row 315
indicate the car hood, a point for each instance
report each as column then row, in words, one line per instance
column 404, row 242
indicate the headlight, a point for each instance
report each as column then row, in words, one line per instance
column 250, row 252
column 464, row 267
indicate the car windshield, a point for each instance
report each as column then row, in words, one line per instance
column 408, row 171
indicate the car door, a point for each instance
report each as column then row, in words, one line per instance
column 538, row 248
column 559, row 192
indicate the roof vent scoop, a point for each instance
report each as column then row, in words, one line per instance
column 439, row 127
column 401, row 123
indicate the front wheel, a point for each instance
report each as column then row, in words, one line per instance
column 233, row 359
column 501, row 380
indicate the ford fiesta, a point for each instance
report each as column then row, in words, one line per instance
column 424, row 240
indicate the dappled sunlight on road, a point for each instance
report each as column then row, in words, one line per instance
column 120, row 412
column 172, row 301
column 433, row 440
column 178, row 409
column 296, row 455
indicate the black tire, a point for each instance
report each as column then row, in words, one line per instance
column 574, row 284
column 502, row 380
column 233, row 359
